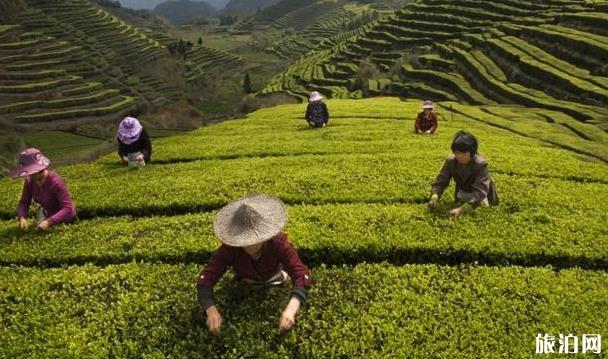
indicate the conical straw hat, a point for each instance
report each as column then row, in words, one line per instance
column 250, row 220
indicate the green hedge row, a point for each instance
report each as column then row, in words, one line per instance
column 420, row 90
column 475, row 72
column 364, row 311
column 125, row 102
column 63, row 103
column 423, row 12
column 580, row 42
column 370, row 126
column 548, row 74
column 42, row 55
column 541, row 55
column 585, row 19
column 366, row 178
column 496, row 8
column 39, row 86
column 552, row 127
column 450, row 81
column 337, row 234
column 21, row 44
column 47, row 64
column 435, row 61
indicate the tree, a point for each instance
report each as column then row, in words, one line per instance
column 200, row 41
column 247, row 83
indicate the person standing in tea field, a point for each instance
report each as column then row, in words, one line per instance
column 254, row 244
column 474, row 185
column 46, row 188
column 134, row 146
column 426, row 121
column 316, row 111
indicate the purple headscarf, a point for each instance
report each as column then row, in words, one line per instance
column 129, row 130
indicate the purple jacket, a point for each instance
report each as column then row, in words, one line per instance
column 53, row 196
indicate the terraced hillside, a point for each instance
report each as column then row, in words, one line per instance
column 44, row 79
column 550, row 55
column 70, row 61
column 321, row 25
column 309, row 17
column 201, row 60
column 391, row 278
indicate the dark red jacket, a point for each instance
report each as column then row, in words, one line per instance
column 423, row 124
column 277, row 254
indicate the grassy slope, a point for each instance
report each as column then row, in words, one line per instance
column 356, row 192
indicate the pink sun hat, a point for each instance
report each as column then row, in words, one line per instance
column 31, row 161
column 315, row 96
column 428, row 104
column 129, row 130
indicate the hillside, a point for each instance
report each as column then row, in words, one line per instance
column 151, row 4
column 391, row 278
column 181, row 11
column 242, row 7
column 72, row 62
column 487, row 53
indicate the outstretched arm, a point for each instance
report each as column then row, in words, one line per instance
column 443, row 179
column 301, row 276
column 212, row 273
column 24, row 205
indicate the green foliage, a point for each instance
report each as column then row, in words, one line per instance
column 362, row 311
column 116, row 72
column 247, row 83
column 133, row 80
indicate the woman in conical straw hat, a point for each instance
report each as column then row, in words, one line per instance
column 254, row 244
column 46, row 188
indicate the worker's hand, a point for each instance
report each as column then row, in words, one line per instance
column 287, row 321
column 23, row 224
column 43, row 226
column 288, row 318
column 214, row 320
column 434, row 201
column 456, row 212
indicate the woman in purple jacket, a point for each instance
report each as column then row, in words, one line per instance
column 46, row 188
column 253, row 243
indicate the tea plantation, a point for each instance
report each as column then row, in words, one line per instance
column 392, row 279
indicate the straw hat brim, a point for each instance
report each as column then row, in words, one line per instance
column 273, row 220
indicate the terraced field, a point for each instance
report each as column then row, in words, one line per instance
column 391, row 278
column 70, row 61
column 44, row 79
column 474, row 52
column 319, row 25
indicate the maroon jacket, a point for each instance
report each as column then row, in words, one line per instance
column 277, row 254
column 423, row 124
column 53, row 196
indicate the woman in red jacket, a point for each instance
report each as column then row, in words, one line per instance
column 254, row 244
column 426, row 121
